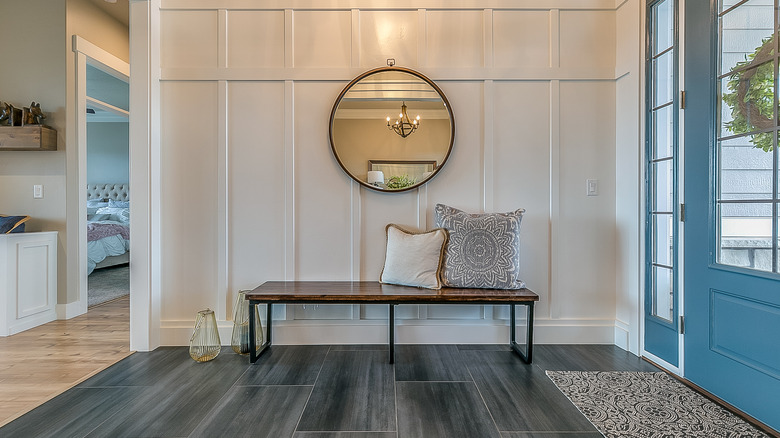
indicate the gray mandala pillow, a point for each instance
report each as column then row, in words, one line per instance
column 483, row 250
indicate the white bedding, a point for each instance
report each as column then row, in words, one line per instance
column 109, row 246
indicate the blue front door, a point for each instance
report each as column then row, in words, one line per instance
column 731, row 279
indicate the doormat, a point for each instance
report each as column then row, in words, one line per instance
column 647, row 404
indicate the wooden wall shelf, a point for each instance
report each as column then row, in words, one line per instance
column 28, row 138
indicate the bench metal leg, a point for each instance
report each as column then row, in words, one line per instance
column 254, row 353
column 391, row 329
column 527, row 356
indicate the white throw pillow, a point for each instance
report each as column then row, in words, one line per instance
column 413, row 259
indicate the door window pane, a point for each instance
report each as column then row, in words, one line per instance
column 744, row 29
column 663, row 71
column 745, row 169
column 663, row 29
column 748, row 99
column 663, row 245
column 663, row 293
column 746, row 235
column 663, row 190
column 663, row 129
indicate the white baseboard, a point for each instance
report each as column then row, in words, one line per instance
column 409, row 332
column 71, row 310
column 30, row 322
column 621, row 334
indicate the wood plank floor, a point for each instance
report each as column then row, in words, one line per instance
column 329, row 392
column 40, row 363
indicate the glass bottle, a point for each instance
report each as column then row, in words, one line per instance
column 240, row 338
column 204, row 343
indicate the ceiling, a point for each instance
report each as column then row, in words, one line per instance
column 119, row 10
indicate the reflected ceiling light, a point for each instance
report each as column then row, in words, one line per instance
column 404, row 126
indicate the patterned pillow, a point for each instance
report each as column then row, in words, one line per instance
column 12, row 224
column 413, row 259
column 483, row 250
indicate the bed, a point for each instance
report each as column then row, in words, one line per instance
column 108, row 225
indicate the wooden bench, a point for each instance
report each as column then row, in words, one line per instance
column 372, row 292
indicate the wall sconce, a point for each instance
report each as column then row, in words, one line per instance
column 404, row 126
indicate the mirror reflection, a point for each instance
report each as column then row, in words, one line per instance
column 391, row 129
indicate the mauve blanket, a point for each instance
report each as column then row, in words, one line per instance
column 98, row 230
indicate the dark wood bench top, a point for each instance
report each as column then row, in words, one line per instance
column 350, row 292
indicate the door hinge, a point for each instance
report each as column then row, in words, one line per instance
column 682, row 325
column 682, row 99
column 682, row 212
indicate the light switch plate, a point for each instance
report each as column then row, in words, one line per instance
column 592, row 187
column 38, row 191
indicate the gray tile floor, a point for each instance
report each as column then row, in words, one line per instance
column 329, row 392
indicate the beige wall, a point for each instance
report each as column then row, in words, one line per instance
column 37, row 67
column 33, row 68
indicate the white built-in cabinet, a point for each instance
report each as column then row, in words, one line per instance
column 28, row 280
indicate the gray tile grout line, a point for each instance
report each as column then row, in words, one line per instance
column 298, row 423
column 481, row 396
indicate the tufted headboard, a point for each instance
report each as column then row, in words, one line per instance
column 117, row 192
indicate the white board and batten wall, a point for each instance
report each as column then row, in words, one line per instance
column 250, row 191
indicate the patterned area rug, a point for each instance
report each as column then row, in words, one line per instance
column 107, row 284
column 642, row 404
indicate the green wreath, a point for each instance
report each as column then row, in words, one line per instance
column 751, row 95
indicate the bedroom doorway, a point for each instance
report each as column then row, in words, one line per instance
column 102, row 185
column 108, row 192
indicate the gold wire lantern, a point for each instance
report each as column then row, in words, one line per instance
column 404, row 126
column 204, row 343
column 240, row 339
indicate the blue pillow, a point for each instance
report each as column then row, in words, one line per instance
column 12, row 224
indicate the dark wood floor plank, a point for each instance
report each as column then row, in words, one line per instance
column 71, row 414
column 286, row 365
column 551, row 435
column 520, row 396
column 482, row 347
column 442, row 409
column 176, row 408
column 588, row 358
column 144, row 368
column 255, row 411
column 362, row 347
column 345, row 435
column 429, row 363
column 354, row 392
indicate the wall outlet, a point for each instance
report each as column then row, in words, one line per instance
column 38, row 191
column 592, row 187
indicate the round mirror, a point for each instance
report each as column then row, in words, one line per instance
column 391, row 129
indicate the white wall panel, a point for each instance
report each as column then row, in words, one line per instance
column 455, row 38
column 190, row 199
column 521, row 173
column 388, row 34
column 256, row 176
column 378, row 210
column 255, row 39
column 322, row 38
column 459, row 183
column 322, row 190
column 188, row 39
column 587, row 223
column 521, row 38
column 587, row 39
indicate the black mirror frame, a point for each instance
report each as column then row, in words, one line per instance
column 404, row 70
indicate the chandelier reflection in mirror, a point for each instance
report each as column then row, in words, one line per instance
column 404, row 126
